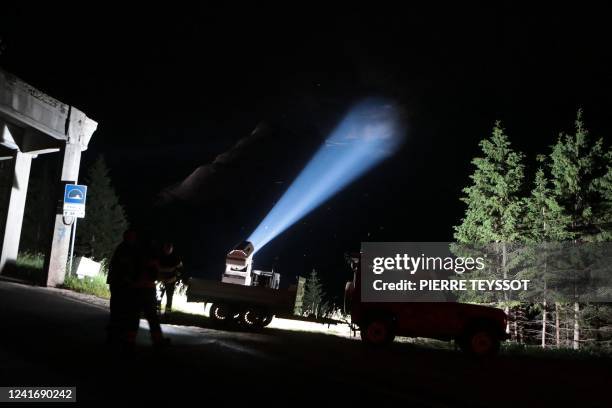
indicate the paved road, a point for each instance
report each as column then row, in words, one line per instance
column 47, row 338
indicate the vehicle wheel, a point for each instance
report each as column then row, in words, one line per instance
column 255, row 318
column 267, row 320
column 377, row 331
column 220, row 313
column 480, row 342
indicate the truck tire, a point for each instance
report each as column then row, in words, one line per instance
column 255, row 318
column 480, row 342
column 220, row 313
column 377, row 331
column 267, row 320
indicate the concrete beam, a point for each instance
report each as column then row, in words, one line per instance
column 29, row 106
column 25, row 106
column 9, row 136
column 79, row 132
column 57, row 257
column 34, row 142
column 31, row 117
column 11, row 231
column 27, row 140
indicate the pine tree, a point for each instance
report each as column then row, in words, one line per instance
column 102, row 228
column 582, row 178
column 544, row 218
column 545, row 224
column 313, row 295
column 494, row 204
column 494, row 207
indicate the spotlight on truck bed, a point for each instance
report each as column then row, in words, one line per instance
column 238, row 264
column 239, row 269
column 241, row 255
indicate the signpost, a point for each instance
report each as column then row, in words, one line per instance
column 74, row 206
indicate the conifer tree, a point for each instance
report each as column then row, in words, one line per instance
column 545, row 224
column 494, row 206
column 102, row 228
column 545, row 219
column 582, row 178
column 313, row 295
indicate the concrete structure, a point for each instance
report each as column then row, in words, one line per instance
column 33, row 123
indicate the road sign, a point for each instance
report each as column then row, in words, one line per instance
column 74, row 200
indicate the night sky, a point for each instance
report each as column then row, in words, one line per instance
column 172, row 88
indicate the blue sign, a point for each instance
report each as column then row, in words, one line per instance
column 74, row 200
column 75, row 194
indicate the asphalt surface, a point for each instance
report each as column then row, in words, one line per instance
column 48, row 338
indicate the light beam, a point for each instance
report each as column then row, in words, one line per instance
column 369, row 133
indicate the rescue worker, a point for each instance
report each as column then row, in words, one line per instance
column 169, row 264
column 122, row 271
column 144, row 299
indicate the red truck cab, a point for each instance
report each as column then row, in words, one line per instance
column 476, row 329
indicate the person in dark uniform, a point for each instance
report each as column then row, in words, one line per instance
column 144, row 295
column 170, row 265
column 122, row 271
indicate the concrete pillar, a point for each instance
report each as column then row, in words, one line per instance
column 11, row 233
column 57, row 257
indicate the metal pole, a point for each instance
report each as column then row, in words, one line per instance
column 72, row 239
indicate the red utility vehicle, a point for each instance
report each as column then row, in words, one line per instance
column 476, row 329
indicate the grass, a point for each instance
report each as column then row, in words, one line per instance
column 93, row 286
column 514, row 349
column 28, row 267
column 30, row 260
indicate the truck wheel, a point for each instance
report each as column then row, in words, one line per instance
column 480, row 342
column 255, row 318
column 377, row 332
column 220, row 313
column 267, row 320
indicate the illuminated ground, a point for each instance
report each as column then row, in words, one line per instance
column 49, row 338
